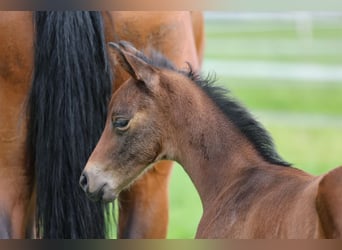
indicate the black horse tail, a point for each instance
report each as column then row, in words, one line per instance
column 66, row 114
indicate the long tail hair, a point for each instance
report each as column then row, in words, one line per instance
column 66, row 114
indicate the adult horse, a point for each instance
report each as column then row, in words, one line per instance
column 246, row 189
column 55, row 63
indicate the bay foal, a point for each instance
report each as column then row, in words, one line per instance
column 246, row 189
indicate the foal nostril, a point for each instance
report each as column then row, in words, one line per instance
column 84, row 181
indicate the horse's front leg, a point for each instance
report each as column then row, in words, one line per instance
column 146, row 203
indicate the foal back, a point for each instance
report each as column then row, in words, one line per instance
column 277, row 203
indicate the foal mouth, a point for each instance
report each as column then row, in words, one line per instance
column 96, row 195
column 102, row 194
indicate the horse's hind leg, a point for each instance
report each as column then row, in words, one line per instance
column 5, row 225
column 145, row 203
column 329, row 203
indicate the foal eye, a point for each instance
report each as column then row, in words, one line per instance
column 120, row 123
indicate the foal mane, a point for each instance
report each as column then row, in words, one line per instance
column 232, row 109
column 240, row 117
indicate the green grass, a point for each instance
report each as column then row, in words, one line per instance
column 315, row 150
column 271, row 30
column 185, row 208
column 328, row 51
column 277, row 41
column 278, row 57
column 291, row 96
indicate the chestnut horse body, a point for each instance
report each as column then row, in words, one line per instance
column 246, row 189
column 29, row 180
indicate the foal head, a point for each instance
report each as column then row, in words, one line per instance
column 136, row 133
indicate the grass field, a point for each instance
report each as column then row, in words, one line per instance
column 289, row 74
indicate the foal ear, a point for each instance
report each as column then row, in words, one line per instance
column 135, row 66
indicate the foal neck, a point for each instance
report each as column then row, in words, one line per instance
column 211, row 149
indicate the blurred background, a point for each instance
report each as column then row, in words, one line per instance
column 286, row 68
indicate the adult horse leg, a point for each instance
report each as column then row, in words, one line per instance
column 16, row 178
column 143, row 209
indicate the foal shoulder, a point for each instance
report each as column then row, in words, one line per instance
column 329, row 203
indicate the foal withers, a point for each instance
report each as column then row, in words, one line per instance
column 246, row 189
